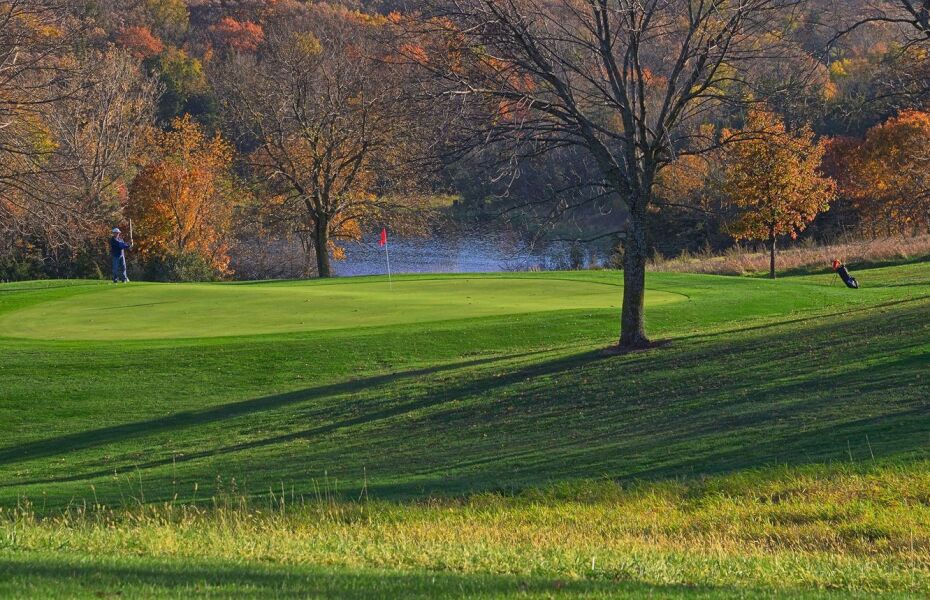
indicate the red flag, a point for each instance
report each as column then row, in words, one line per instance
column 383, row 241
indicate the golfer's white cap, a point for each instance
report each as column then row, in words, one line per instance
column 116, row 230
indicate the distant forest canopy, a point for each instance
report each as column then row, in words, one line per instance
column 253, row 138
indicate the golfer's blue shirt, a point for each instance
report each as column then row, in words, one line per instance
column 117, row 247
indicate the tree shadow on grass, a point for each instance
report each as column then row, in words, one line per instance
column 818, row 401
column 645, row 415
column 63, row 444
column 106, row 435
column 833, row 408
column 818, row 317
column 701, row 443
column 107, row 577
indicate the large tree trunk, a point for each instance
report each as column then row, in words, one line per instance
column 632, row 324
column 321, row 245
column 772, row 253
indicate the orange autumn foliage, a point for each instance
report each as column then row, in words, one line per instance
column 140, row 42
column 414, row 53
column 888, row 174
column 182, row 198
column 240, row 36
column 684, row 180
column 773, row 178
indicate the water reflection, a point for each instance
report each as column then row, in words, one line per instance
column 458, row 255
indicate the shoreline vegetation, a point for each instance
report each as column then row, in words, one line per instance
column 801, row 258
column 739, row 260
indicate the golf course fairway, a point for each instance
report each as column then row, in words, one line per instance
column 466, row 436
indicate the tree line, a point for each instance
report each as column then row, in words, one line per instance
column 228, row 129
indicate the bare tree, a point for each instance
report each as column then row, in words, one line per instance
column 901, row 79
column 34, row 72
column 95, row 133
column 631, row 82
column 323, row 120
column 920, row 11
column 913, row 14
column 69, row 118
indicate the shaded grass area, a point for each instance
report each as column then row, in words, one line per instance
column 38, row 575
column 29, row 576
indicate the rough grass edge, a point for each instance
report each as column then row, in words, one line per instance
column 804, row 258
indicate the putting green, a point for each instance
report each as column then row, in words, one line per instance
column 152, row 311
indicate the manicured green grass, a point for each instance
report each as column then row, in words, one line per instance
column 158, row 311
column 457, row 385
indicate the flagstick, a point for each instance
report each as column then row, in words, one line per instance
column 130, row 233
column 388, row 259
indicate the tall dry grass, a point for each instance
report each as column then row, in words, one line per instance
column 742, row 261
column 857, row 527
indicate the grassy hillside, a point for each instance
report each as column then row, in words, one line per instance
column 439, row 387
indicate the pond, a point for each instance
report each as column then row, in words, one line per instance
column 461, row 254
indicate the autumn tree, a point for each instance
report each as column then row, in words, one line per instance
column 67, row 121
column 238, row 36
column 186, row 90
column 324, row 120
column 140, row 42
column 689, row 212
column 773, row 177
column 627, row 82
column 899, row 63
column 182, row 200
column 888, row 174
column 209, row 12
column 170, row 17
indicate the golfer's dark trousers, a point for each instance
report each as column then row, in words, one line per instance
column 119, row 269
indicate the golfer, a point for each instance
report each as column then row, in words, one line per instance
column 118, row 252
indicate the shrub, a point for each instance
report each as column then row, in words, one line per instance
column 180, row 267
column 21, row 268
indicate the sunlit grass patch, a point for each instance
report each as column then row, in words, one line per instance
column 860, row 529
